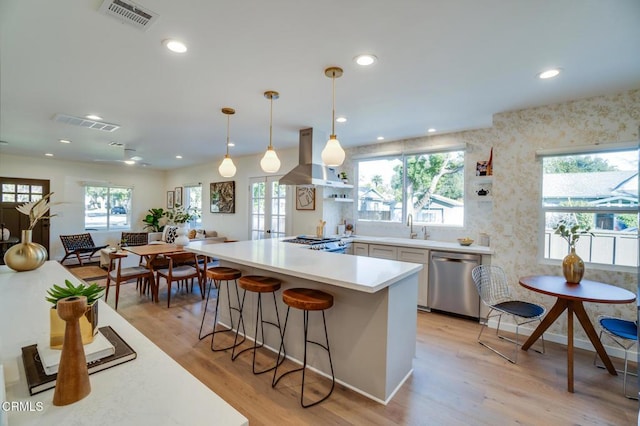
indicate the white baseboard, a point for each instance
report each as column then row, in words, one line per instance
column 613, row 351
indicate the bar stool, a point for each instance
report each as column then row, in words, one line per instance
column 217, row 276
column 307, row 299
column 259, row 284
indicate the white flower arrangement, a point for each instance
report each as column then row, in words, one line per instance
column 36, row 210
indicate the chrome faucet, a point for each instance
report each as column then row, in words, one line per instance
column 412, row 234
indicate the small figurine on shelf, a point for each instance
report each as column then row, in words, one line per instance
column 343, row 176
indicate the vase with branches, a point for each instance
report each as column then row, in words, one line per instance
column 572, row 264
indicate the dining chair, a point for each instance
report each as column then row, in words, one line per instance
column 182, row 267
column 493, row 288
column 122, row 275
column 625, row 334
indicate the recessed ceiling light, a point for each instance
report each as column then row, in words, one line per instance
column 175, row 45
column 129, row 162
column 431, row 130
column 48, row 154
column 365, row 60
column 341, row 119
column 64, row 141
column 549, row 73
column 178, row 156
column 380, row 138
column 231, row 144
column 93, row 117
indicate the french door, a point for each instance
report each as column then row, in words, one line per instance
column 268, row 207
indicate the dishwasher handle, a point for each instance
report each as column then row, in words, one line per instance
column 440, row 256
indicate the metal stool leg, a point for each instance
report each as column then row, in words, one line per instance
column 276, row 379
column 260, row 322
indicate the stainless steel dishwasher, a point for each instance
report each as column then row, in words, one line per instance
column 451, row 288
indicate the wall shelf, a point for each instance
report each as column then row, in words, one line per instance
column 340, row 200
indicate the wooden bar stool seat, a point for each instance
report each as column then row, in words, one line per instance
column 216, row 277
column 259, row 284
column 306, row 300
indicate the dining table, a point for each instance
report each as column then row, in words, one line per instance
column 150, row 252
column 571, row 298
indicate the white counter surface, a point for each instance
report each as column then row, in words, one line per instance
column 152, row 389
column 425, row 244
column 354, row 272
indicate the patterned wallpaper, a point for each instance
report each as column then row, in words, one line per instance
column 512, row 218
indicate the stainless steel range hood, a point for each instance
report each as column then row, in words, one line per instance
column 310, row 170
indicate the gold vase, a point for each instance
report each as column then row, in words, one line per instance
column 573, row 267
column 88, row 326
column 26, row 255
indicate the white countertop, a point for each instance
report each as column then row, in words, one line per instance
column 355, row 272
column 425, row 244
column 152, row 389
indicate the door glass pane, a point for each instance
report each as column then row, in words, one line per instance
column 24, row 189
column 8, row 187
column 9, row 198
column 36, row 189
column 23, row 198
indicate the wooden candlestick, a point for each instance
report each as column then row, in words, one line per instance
column 72, row 383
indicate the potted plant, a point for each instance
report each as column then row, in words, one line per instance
column 343, row 175
column 152, row 220
column 572, row 264
column 88, row 322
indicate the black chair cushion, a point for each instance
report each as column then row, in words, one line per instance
column 521, row 309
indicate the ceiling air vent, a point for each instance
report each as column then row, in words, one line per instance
column 130, row 13
column 86, row 123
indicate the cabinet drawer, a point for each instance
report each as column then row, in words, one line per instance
column 383, row 252
column 360, row 249
column 413, row 255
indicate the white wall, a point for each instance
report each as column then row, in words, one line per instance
column 66, row 179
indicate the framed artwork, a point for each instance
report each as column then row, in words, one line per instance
column 170, row 199
column 178, row 197
column 305, row 198
column 223, row 197
column 481, row 168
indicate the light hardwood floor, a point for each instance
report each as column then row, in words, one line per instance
column 455, row 380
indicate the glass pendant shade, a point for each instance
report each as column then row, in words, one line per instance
column 227, row 168
column 333, row 154
column 270, row 163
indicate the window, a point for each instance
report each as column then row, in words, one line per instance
column 429, row 186
column 598, row 190
column 107, row 208
column 193, row 201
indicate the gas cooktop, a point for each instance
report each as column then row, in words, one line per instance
column 310, row 239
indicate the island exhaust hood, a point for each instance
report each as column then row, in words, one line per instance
column 310, row 170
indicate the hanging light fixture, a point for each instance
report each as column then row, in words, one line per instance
column 227, row 168
column 333, row 154
column 270, row 163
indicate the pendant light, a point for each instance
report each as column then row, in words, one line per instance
column 270, row 163
column 227, row 168
column 333, row 154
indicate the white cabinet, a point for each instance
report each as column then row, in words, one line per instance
column 415, row 255
column 383, row 252
column 403, row 254
column 360, row 249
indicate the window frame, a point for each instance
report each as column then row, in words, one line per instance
column 108, row 227
column 543, row 210
column 403, row 156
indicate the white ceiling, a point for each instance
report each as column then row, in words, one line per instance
column 447, row 64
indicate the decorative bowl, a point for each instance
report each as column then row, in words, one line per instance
column 465, row 241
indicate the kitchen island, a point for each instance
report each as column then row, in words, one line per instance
column 372, row 325
column 151, row 389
